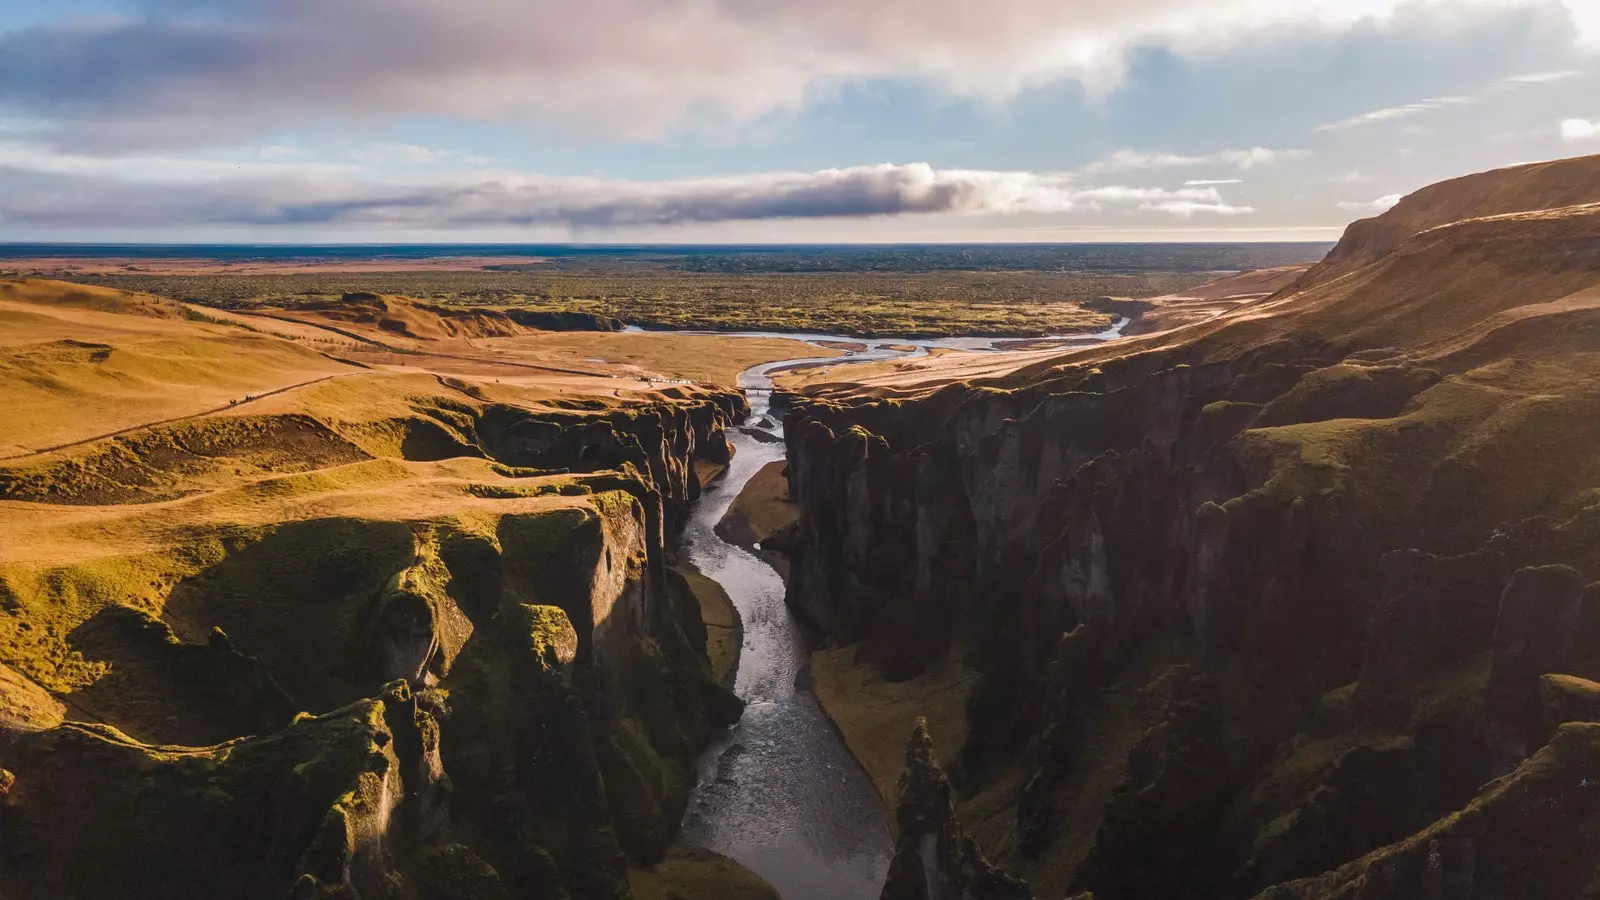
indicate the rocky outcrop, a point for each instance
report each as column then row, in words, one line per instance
column 933, row 859
column 1251, row 599
column 502, row 697
column 1526, row 835
column 660, row 442
column 563, row 321
column 324, row 808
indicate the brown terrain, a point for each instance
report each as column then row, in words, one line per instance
column 360, row 601
column 762, row 518
column 1202, row 302
column 1292, row 594
column 1300, row 599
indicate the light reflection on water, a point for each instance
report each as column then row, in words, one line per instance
column 780, row 793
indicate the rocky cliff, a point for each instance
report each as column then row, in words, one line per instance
column 410, row 644
column 1260, row 598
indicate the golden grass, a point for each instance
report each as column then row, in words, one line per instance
column 404, row 333
column 711, row 359
column 763, row 508
column 918, row 375
column 875, row 717
column 695, row 873
column 270, row 488
column 724, row 631
column 71, row 370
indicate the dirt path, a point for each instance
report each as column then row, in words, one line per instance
column 248, row 398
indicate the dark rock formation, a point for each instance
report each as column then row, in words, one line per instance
column 933, row 859
column 509, row 703
column 563, row 321
column 1535, row 630
column 1529, row 834
column 321, row 808
column 1310, row 564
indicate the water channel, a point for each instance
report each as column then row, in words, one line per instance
column 779, row 792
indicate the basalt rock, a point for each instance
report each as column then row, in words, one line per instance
column 508, row 702
column 1527, row 835
column 1566, row 698
column 933, row 859
column 1535, row 630
column 1313, row 562
column 320, row 809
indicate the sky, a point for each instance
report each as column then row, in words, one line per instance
column 769, row 120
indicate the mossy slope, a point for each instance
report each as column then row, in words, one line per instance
column 392, row 635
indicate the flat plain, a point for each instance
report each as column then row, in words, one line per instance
column 1004, row 290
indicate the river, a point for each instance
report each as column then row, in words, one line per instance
column 779, row 792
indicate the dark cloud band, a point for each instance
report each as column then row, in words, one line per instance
column 64, row 200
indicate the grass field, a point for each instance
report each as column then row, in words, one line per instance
column 998, row 290
column 855, row 303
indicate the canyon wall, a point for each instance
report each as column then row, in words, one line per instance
column 425, row 676
column 1302, row 589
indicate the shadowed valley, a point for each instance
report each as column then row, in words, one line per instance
column 1294, row 601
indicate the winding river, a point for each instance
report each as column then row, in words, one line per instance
column 779, row 792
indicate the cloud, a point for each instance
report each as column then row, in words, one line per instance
column 1434, row 104
column 178, row 72
column 1138, row 160
column 1378, row 205
column 67, row 199
column 177, row 168
column 1203, row 182
column 1579, row 130
column 1354, row 176
column 1545, row 77
column 1259, row 156
column 414, row 155
column 1135, row 160
column 1389, row 114
column 1187, row 208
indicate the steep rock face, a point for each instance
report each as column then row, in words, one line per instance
column 1528, row 834
column 933, row 858
column 321, row 808
column 1313, row 562
column 518, row 696
column 661, row 442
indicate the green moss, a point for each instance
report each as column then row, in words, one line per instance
column 454, row 872
column 548, row 631
column 616, row 504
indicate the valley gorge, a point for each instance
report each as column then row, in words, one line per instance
column 1297, row 602
column 1290, row 590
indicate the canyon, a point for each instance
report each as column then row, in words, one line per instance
column 366, row 631
column 1295, row 600
column 1283, row 587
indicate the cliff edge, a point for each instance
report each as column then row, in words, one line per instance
column 1290, row 600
